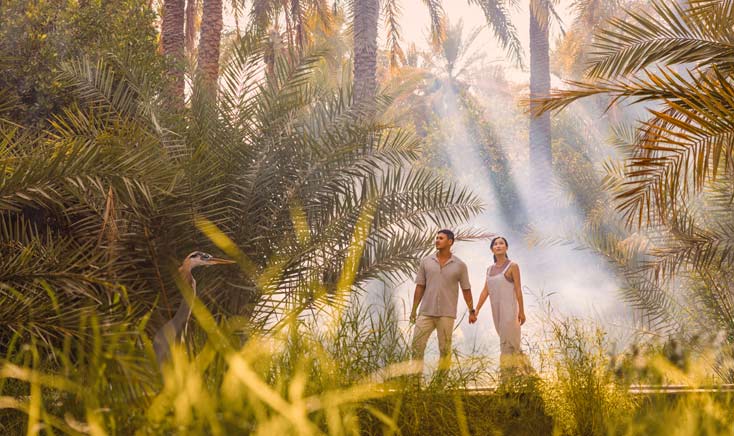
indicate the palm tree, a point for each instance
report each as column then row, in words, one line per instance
column 447, row 87
column 192, row 13
column 366, row 16
column 209, row 43
column 541, row 156
column 319, row 203
column 675, row 180
column 172, row 42
column 571, row 56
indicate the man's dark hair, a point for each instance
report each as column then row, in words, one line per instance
column 449, row 234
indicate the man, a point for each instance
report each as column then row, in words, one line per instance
column 437, row 292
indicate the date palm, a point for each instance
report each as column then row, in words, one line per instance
column 675, row 181
column 633, row 61
column 177, row 38
column 541, row 156
column 209, row 44
column 448, row 93
column 365, row 24
column 572, row 54
column 173, row 44
column 277, row 164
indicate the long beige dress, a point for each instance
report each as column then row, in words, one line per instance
column 504, row 311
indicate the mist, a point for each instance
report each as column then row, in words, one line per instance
column 558, row 274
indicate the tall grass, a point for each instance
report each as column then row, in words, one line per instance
column 580, row 390
column 312, row 376
column 342, row 372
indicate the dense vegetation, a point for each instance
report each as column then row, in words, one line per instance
column 319, row 185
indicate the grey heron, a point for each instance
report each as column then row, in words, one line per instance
column 172, row 330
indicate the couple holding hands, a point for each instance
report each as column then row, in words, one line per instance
column 437, row 293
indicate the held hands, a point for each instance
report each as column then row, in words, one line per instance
column 473, row 316
column 412, row 318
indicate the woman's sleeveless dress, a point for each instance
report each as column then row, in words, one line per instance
column 504, row 311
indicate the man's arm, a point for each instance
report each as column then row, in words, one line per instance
column 469, row 304
column 420, row 288
column 417, row 297
column 469, row 300
column 466, row 290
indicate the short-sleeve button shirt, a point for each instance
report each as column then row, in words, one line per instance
column 441, row 295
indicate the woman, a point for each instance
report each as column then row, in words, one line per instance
column 505, row 295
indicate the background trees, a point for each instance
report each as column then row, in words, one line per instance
column 35, row 38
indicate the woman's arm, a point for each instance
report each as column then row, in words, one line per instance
column 515, row 272
column 482, row 298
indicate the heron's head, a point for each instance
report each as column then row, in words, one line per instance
column 199, row 258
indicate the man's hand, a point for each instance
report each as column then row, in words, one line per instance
column 412, row 318
column 472, row 318
column 521, row 318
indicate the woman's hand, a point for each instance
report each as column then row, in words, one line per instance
column 521, row 318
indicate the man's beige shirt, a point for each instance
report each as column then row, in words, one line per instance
column 442, row 285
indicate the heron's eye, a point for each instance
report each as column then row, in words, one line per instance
column 206, row 256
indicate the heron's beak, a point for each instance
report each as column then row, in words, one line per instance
column 218, row 261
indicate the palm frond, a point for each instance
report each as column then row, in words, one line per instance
column 497, row 15
column 392, row 12
column 49, row 283
column 670, row 35
column 435, row 10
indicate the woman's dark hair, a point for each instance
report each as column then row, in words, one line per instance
column 449, row 234
column 492, row 245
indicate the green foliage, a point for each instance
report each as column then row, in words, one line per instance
column 340, row 375
column 703, row 414
column 38, row 36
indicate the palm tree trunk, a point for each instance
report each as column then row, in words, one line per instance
column 191, row 13
column 172, row 41
column 540, row 127
column 211, row 36
column 366, row 14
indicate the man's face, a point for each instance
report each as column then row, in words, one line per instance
column 443, row 241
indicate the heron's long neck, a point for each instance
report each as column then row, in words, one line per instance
column 184, row 311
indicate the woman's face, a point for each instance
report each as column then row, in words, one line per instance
column 499, row 246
